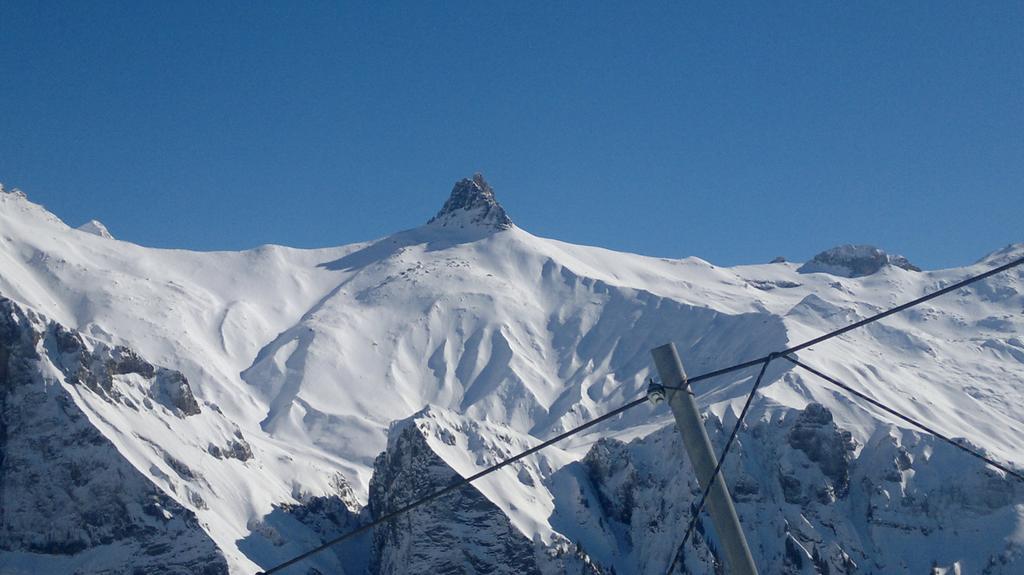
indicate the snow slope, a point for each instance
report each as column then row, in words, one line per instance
column 312, row 354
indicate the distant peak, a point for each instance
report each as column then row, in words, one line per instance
column 1004, row 255
column 96, row 228
column 472, row 205
column 854, row 261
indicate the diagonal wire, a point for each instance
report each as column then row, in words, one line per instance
column 911, row 421
column 721, row 461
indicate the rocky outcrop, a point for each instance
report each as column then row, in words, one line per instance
column 69, row 501
column 95, row 367
column 816, row 435
column 811, row 500
column 172, row 390
column 236, row 448
column 472, row 204
column 853, row 261
column 608, row 463
column 461, row 533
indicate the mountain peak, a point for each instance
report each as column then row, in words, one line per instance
column 472, row 204
column 97, row 228
column 855, row 261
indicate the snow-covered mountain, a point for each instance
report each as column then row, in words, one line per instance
column 270, row 399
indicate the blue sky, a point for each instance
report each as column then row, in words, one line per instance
column 735, row 132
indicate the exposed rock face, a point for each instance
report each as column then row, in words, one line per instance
column 124, row 361
column 472, row 204
column 96, row 367
column 854, row 261
column 809, row 502
column 815, row 434
column 616, row 476
column 236, row 448
column 466, row 531
column 69, row 501
column 172, row 390
column 461, row 533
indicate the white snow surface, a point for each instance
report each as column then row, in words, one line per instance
column 314, row 353
column 96, row 228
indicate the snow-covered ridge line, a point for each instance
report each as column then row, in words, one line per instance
column 312, row 354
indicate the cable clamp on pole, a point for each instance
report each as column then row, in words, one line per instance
column 655, row 392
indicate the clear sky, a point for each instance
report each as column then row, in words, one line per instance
column 735, row 132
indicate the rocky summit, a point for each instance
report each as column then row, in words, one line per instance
column 855, row 261
column 472, row 204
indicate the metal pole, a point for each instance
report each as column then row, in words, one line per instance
column 719, row 503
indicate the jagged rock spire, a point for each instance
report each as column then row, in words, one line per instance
column 472, row 204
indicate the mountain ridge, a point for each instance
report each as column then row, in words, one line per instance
column 313, row 353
